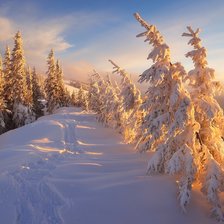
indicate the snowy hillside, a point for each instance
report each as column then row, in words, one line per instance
column 67, row 168
column 71, row 88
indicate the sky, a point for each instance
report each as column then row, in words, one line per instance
column 86, row 33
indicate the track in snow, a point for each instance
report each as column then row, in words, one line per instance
column 37, row 201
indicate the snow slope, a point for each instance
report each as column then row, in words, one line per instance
column 71, row 88
column 67, row 168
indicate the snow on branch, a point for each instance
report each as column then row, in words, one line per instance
column 96, row 74
column 209, row 115
column 160, row 51
column 198, row 55
column 118, row 69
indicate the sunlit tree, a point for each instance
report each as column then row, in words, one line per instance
column 8, row 86
column 130, row 97
column 74, row 98
column 29, row 93
column 209, row 115
column 37, row 94
column 22, row 113
column 81, row 96
column 93, row 92
column 51, row 84
column 2, row 100
column 169, row 127
column 112, row 106
column 62, row 96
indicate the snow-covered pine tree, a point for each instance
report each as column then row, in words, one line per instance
column 114, row 108
column 29, row 93
column 155, row 125
column 8, row 86
column 169, row 127
column 110, row 111
column 81, row 97
column 18, row 71
column 74, row 98
column 2, row 101
column 37, row 95
column 85, row 105
column 131, row 101
column 51, row 84
column 66, row 99
column 93, row 92
column 22, row 113
column 62, row 96
column 103, row 89
column 209, row 115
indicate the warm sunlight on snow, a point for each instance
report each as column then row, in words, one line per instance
column 110, row 116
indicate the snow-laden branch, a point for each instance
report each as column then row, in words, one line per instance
column 160, row 51
column 209, row 115
column 118, row 69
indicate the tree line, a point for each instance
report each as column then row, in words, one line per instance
column 26, row 95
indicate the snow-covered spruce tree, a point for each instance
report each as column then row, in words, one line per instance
column 2, row 101
column 8, row 86
column 66, row 99
column 29, row 93
column 51, row 84
column 100, row 94
column 93, row 92
column 81, row 96
column 62, row 96
column 74, row 98
column 209, row 115
column 8, row 90
column 103, row 94
column 169, row 127
column 115, row 108
column 22, row 113
column 131, row 101
column 37, row 95
column 110, row 111
column 85, row 104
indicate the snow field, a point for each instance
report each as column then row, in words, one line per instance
column 67, row 168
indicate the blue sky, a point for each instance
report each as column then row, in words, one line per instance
column 85, row 34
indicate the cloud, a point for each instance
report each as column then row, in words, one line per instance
column 79, row 70
column 6, row 31
column 85, row 40
column 42, row 34
column 38, row 38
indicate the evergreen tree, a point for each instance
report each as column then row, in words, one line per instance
column 210, row 157
column 131, row 101
column 2, row 102
column 22, row 113
column 29, row 93
column 37, row 95
column 74, row 98
column 18, row 72
column 2, row 84
column 169, row 127
column 66, row 98
column 93, row 92
column 110, row 111
column 51, row 84
column 8, row 86
column 85, row 105
column 62, row 94
column 81, row 97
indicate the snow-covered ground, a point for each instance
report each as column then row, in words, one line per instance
column 71, row 88
column 67, row 168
